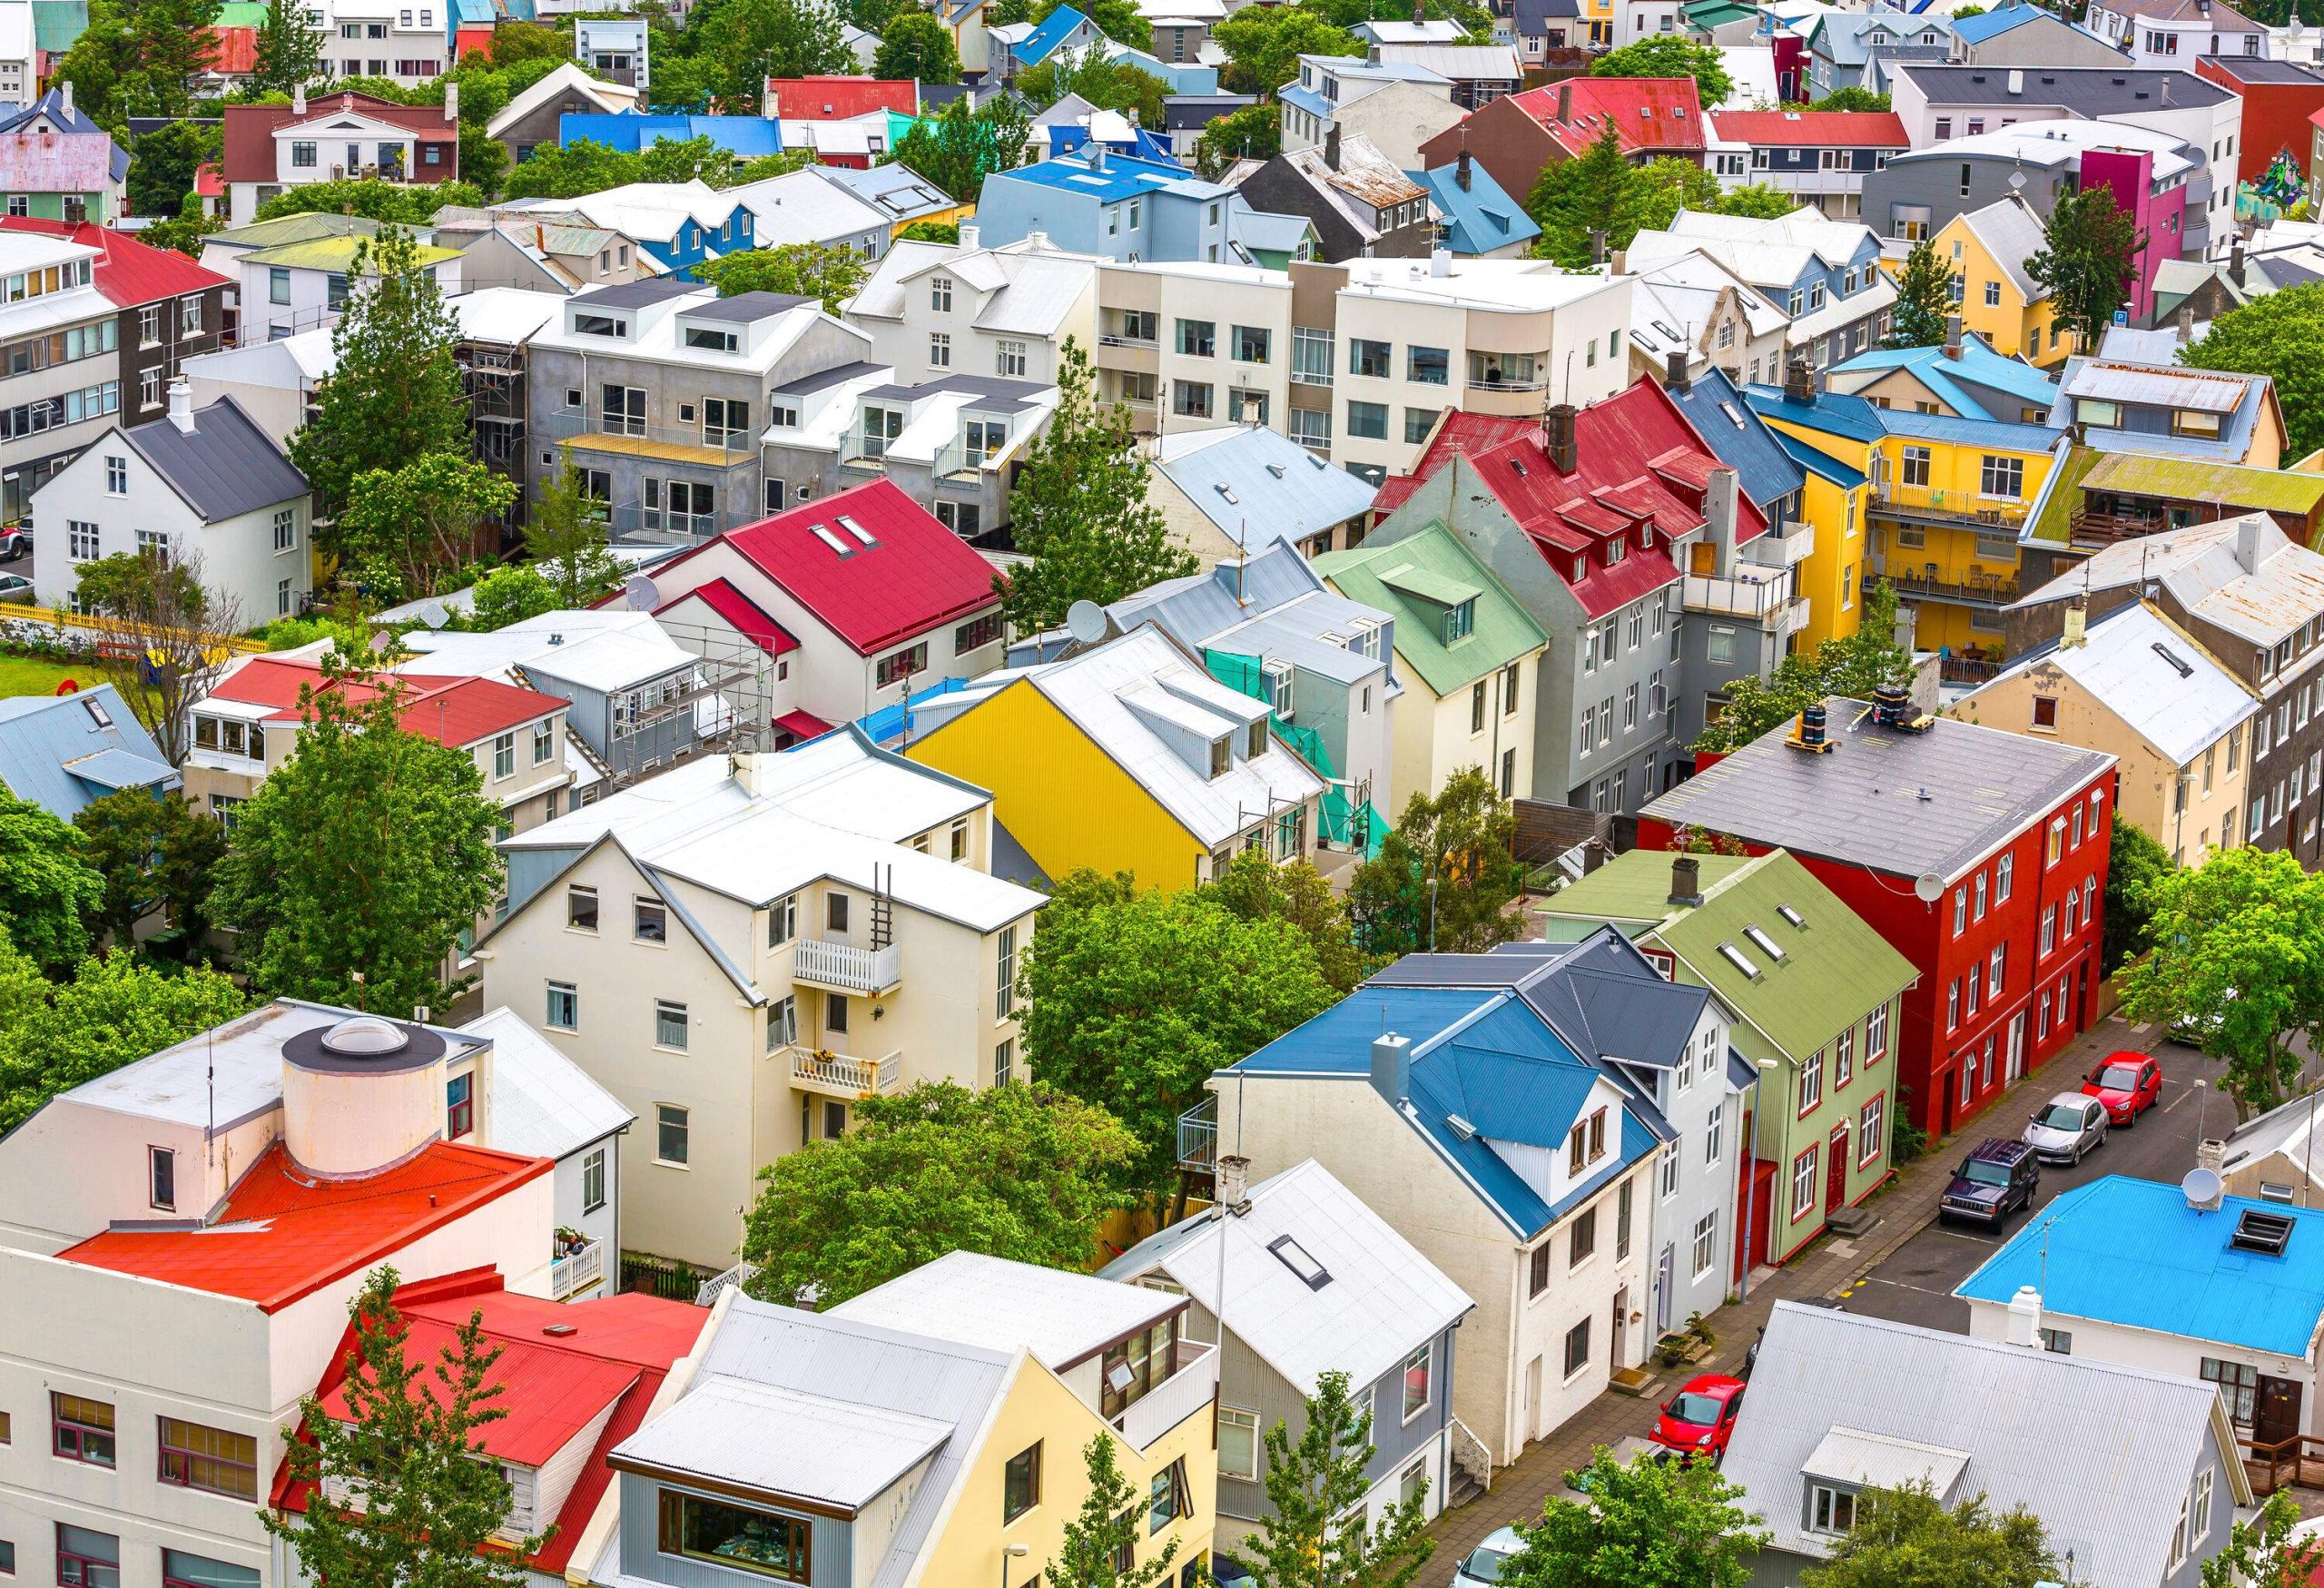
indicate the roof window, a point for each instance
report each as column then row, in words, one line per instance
column 2178, row 663
column 856, row 529
column 1764, row 943
column 1794, row 916
column 97, row 710
column 1739, row 959
column 824, row 534
column 2265, row 1233
column 1300, row 1261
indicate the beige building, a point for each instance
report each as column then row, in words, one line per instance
column 2134, row 684
column 742, row 948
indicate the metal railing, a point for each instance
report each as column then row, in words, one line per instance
column 1946, row 506
column 846, row 968
column 577, row 1271
column 1199, row 1135
column 1186, row 1392
column 2092, row 528
column 1760, row 599
column 1477, row 385
column 568, row 424
column 1972, row 589
column 1145, row 343
column 844, row 1074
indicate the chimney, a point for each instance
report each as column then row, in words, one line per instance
column 2077, row 624
column 1565, row 450
column 1234, row 1187
column 1459, row 167
column 1037, row 241
column 1565, row 103
column 1392, row 1066
column 744, row 770
column 1331, row 147
column 1674, row 368
column 2247, row 530
column 182, row 405
column 1797, row 385
column 298, row 100
column 2186, row 323
column 1097, row 155
column 1371, row 56
column 2026, row 1318
column 969, row 235
column 1953, row 336
column 2235, row 262
column 1685, row 886
column 452, row 103
column 1598, row 247
column 1720, row 493
column 1439, row 261
column 770, row 102
column 2211, row 1153
column 1420, row 12
column 67, row 88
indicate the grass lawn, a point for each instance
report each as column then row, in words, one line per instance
column 31, row 676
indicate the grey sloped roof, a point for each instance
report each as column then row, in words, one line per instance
column 223, row 467
column 2102, row 1454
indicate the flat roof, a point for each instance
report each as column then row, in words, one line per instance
column 1061, row 1318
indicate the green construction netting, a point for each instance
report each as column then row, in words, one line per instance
column 1341, row 818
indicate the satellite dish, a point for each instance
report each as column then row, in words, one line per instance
column 1928, row 887
column 434, row 614
column 382, row 641
column 2203, row 1187
column 641, row 593
column 2016, row 179
column 1086, row 622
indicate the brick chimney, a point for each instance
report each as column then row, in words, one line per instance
column 1686, row 887
column 1799, row 383
column 1459, row 167
column 1674, row 369
column 1564, row 446
column 1331, row 147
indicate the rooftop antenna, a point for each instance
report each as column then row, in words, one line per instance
column 1242, row 556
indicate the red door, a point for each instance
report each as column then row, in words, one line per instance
column 1836, row 1187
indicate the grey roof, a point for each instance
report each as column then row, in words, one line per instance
column 1599, row 994
column 639, row 294
column 2105, row 1463
column 2203, row 568
column 1013, row 862
column 788, row 1442
column 1904, row 803
column 1184, row 112
column 224, row 465
column 55, row 753
column 2164, row 686
column 2083, row 91
column 1258, row 485
column 993, row 393
column 745, row 308
column 835, row 375
column 543, row 1104
column 1062, row 1318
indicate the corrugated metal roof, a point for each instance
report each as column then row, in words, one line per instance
column 226, row 465
column 2204, row 568
column 1764, row 467
column 2164, row 686
column 1061, row 1318
column 2201, row 480
column 786, row 1442
column 1851, row 1456
column 2200, row 390
column 1963, row 382
column 1257, row 485
column 1480, row 218
column 63, row 752
column 1505, row 633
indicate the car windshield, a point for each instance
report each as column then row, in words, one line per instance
column 1985, row 1174
column 1483, row 1564
column 2118, row 1077
column 1690, row 1408
column 2060, row 1116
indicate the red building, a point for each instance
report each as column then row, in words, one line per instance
column 1979, row 855
column 2279, row 98
column 1519, row 134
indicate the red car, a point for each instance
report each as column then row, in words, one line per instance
column 1700, row 1418
column 2128, row 1083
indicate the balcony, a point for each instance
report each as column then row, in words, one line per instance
column 1198, row 1135
column 1767, row 602
column 1929, row 582
column 1789, row 549
column 579, row 1271
column 842, row 1075
column 1950, row 508
column 1478, row 384
column 1189, row 1390
column 1143, row 343
column 2094, row 529
column 615, row 434
column 839, row 967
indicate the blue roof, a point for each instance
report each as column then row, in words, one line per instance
column 1145, row 146
column 1978, row 365
column 2176, row 1274
column 1308, row 99
column 1481, row 219
column 1822, row 463
column 1123, row 177
column 744, row 137
column 1833, row 412
column 1052, row 32
column 1939, row 426
column 1762, row 465
column 55, row 753
column 1976, row 30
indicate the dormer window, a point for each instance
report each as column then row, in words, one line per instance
column 1222, row 754
column 714, row 342
column 940, row 294
column 1460, row 621
column 1255, row 740
column 1615, row 551
column 599, row 325
column 1581, row 569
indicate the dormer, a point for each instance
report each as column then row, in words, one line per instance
column 739, row 325
column 582, row 318
column 1451, row 603
column 1197, row 730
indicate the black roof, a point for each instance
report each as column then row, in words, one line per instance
column 2248, row 69
column 638, row 294
column 820, row 379
column 996, row 392
column 2087, row 91
column 746, row 308
column 223, row 467
column 1185, row 111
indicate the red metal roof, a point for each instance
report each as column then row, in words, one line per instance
column 913, row 575
column 128, row 273
column 302, row 1233
column 251, row 128
column 453, row 711
column 834, row 99
column 1816, row 129
column 208, row 182
column 1649, row 115
column 233, row 51
column 805, row 724
column 743, row 613
column 467, row 41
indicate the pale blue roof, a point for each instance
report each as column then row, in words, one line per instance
column 55, row 753
column 1306, row 99
column 1939, row 426
column 1053, row 31
column 1257, row 485
column 2175, row 1274
column 1124, row 175
column 1479, row 219
column 1976, row 30
column 744, row 137
column 1978, row 365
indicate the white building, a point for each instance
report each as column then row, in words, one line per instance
column 19, row 54
column 984, row 311
column 1192, row 346
column 272, row 382
column 2176, row 33
column 407, row 43
column 1397, row 106
column 54, row 408
column 1690, row 304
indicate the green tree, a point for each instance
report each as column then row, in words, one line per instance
column 175, row 49
column 944, row 232
column 1252, row 133
column 114, row 1011
column 763, row 169
column 411, row 530
column 2263, row 1553
column 1110, row 1525
column 394, row 392
column 1476, row 20
column 2239, row 952
column 957, row 148
column 183, row 231
column 2276, row 336
column 516, row 43
column 162, row 166
column 683, row 159
column 1645, row 1523
column 49, row 893
column 1135, row 996
column 2135, row 865
column 1022, row 1172
column 1079, row 511
column 873, row 15
column 150, row 851
column 1854, row 99
column 167, row 627
column 1670, row 55
column 1597, row 190
column 1263, row 44
column 581, row 167
column 1923, row 300
column 102, row 68
column 1256, row 888
column 1906, row 1538
column 1107, row 84
column 917, row 47
column 510, row 595
column 1443, row 879
column 827, row 270
column 1852, row 667
column 1667, row 186
column 1312, row 1485
column 566, row 540
column 290, row 51
column 399, row 203
column 745, row 42
column 405, row 1449
column 370, row 852
column 2090, row 247
column 1757, row 201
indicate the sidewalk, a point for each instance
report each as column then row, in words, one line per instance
column 1830, row 1265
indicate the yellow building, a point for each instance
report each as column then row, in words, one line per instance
column 1985, row 250
column 1126, row 756
column 1832, row 575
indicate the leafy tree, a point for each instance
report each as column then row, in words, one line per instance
column 484, row 159
column 48, row 891
column 1256, row 888
column 516, row 43
column 175, row 49
column 1757, row 201
column 830, row 272
column 1668, row 186
column 150, row 851
column 2277, row 336
column 1079, row 511
column 370, row 851
column 765, row 168
column 394, row 394
column 115, row 1010
column 2135, row 862
column 1443, row 879
column 1646, row 1524
column 412, row 529
column 1854, row 98
column 1263, row 44
column 290, row 51
column 1252, row 133
column 1107, row 84
column 162, row 166
column 2262, row 1552
column 2090, row 246
column 583, row 166
column 1022, row 1172
column 1312, row 1485
column 743, row 42
column 1670, row 55
column 182, row 231
column 917, row 47
column 168, row 623
column 944, row 232
column 2239, row 951
column 399, row 203
column 102, row 68
column 1476, row 20
column 683, row 159
column 1853, row 667
column 1596, row 191
column 1923, row 300
column 510, row 595
column 1110, row 1525
column 566, row 540
column 1906, row 1538
column 873, row 15
column 960, row 147
column 406, row 1449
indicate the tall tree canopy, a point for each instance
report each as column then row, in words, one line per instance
column 1597, row 190
column 829, row 272
column 150, row 851
column 115, row 1010
column 1906, row 1538
column 290, row 49
column 49, row 892
column 2090, row 247
column 1923, row 300
column 1263, row 44
column 957, row 148
column 917, row 47
column 162, row 165
column 2135, row 865
column 1443, row 879
column 2276, row 336
column 1309, row 1539
column 1670, row 55
column 1252, row 133
column 1645, row 1523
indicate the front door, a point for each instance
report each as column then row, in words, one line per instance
column 1619, row 1335
column 1663, row 1266
column 2275, row 1412
column 1836, row 1187
column 2017, row 1046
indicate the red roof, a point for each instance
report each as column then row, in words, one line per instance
column 1649, row 115
column 805, row 724
column 250, row 129
column 453, row 711
column 304, row 1233
column 834, row 99
column 470, row 41
column 128, row 273
column 1818, row 129
column 910, row 575
column 208, row 181
column 743, row 613
column 614, row 1351
column 233, row 51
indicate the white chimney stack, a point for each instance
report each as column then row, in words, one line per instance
column 2026, row 1318
column 67, row 99
column 298, row 100
column 182, row 405
column 968, row 236
column 2248, row 533
column 452, row 102
column 1234, row 1188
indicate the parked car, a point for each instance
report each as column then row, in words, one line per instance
column 1700, row 1418
column 15, row 589
column 1229, row 1573
column 16, row 541
column 2128, row 1083
column 1994, row 1182
column 2066, row 1128
column 1484, row 1561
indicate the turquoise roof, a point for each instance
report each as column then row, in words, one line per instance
column 1977, row 364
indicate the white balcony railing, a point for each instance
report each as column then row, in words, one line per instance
column 1189, row 1390
column 844, row 968
column 1760, row 599
column 576, row 1272
column 843, row 1074
column 1789, row 549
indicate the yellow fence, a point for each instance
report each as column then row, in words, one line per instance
column 107, row 628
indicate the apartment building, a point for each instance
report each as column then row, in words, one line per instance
column 1824, row 273
column 386, row 38
column 965, row 308
column 270, row 147
column 1189, row 348
column 740, row 948
column 2166, row 34
column 1821, row 157
column 62, row 372
column 1691, row 304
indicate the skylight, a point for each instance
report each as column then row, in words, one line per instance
column 1740, row 961
column 97, row 712
column 856, row 529
column 1764, row 943
column 1300, row 1261
column 1794, row 916
column 832, row 540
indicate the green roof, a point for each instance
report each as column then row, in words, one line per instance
column 300, row 227
column 1429, row 586
column 337, row 253
column 58, row 25
column 2193, row 480
column 2061, row 495
column 1835, row 966
column 241, row 13
column 1434, row 556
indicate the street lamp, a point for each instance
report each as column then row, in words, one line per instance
column 1751, row 1177
column 1011, row 1552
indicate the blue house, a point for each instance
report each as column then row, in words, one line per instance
column 1183, row 77
column 633, row 133
column 676, row 224
column 1019, row 47
column 64, row 752
column 1764, row 471
column 1116, row 207
column 1480, row 220
column 1965, row 379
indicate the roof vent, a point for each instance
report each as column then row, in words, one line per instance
column 364, row 1036
column 560, row 1330
column 2265, row 1233
column 2176, row 661
column 1300, row 1261
column 1460, row 1126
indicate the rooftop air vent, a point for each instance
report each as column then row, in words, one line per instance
column 560, row 1330
column 2265, row 1233
column 1459, row 1127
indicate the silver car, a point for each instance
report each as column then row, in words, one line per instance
column 1484, row 1563
column 2066, row 1128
